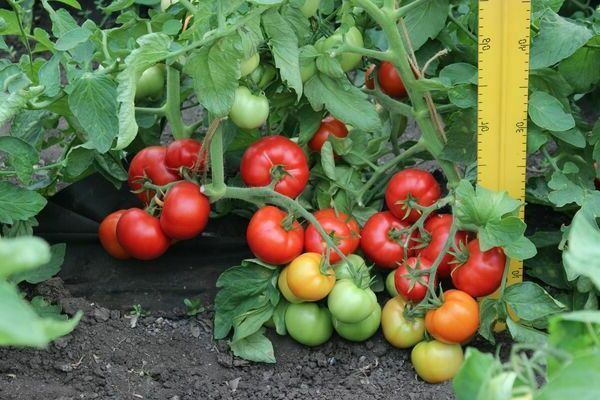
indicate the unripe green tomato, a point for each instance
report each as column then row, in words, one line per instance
column 263, row 75
column 308, row 323
column 342, row 270
column 435, row 361
column 308, row 68
column 310, row 7
column 164, row 4
column 359, row 331
column 151, row 84
column 349, row 303
column 249, row 64
column 285, row 289
column 248, row 111
column 390, row 284
column 348, row 61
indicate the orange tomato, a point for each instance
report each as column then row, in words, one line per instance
column 107, row 233
column 305, row 280
column 456, row 320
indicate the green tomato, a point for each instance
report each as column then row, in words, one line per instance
column 359, row 331
column 164, row 4
column 397, row 330
column 390, row 284
column 248, row 65
column 248, row 111
column 308, row 323
column 263, row 75
column 349, row 303
column 342, row 270
column 310, row 7
column 348, row 61
column 435, row 361
column 151, row 84
column 308, row 68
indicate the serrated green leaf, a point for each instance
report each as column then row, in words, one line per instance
column 46, row 270
column 21, row 156
column 458, row 74
column 328, row 161
column 255, row 347
column 22, row 254
column 548, row 113
column 17, row 203
column 426, row 21
column 530, row 301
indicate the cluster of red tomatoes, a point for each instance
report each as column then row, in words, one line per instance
column 182, row 211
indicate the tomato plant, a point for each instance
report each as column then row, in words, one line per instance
column 435, row 361
column 185, row 211
column 411, row 185
column 343, row 228
column 438, row 236
column 305, row 280
column 481, row 273
column 275, row 158
column 398, row 329
column 141, row 235
column 107, row 232
column 456, row 320
column 383, row 241
column 308, row 323
column 274, row 237
column 329, row 127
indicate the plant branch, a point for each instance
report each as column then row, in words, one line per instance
column 402, row 11
column 460, row 26
column 395, row 106
column 172, row 111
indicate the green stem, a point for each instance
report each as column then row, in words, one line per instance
column 370, row 53
column 217, row 185
column 460, row 26
column 432, row 139
column 395, row 106
column 400, row 12
column 24, row 39
column 550, row 159
column 438, row 260
column 171, row 107
column 268, row 195
column 398, row 128
column 414, row 149
column 151, row 110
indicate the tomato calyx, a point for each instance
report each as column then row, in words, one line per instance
column 278, row 172
column 460, row 254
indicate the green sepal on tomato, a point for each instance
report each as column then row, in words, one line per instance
column 412, row 277
column 435, row 361
column 275, row 158
column 343, row 228
column 248, row 111
column 359, row 331
column 150, row 164
column 141, row 235
column 359, row 271
column 382, row 239
column 308, row 323
column 274, row 237
column 185, row 211
column 439, row 228
column 399, row 330
column 413, row 183
column 349, row 303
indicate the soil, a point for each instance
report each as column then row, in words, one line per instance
column 111, row 355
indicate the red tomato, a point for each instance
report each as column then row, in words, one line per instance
column 439, row 235
column 185, row 211
column 382, row 240
column 108, row 236
column 141, row 236
column 329, row 126
column 436, row 220
column 409, row 288
column 370, row 77
column 184, row 153
column 272, row 157
column 150, row 163
column 419, row 184
column 273, row 237
column 390, row 81
column 482, row 273
column 345, row 231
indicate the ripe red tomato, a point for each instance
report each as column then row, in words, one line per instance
column 382, row 240
column 150, row 163
column 184, row 153
column 419, row 184
column 439, row 235
column 345, row 231
column 185, row 211
column 273, row 237
column 141, row 236
column 482, row 273
column 272, row 157
column 108, row 236
column 329, row 126
column 409, row 288
column 436, row 220
column 370, row 77
column 390, row 81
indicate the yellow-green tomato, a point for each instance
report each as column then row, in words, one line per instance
column 310, row 7
column 348, row 61
column 359, row 331
column 397, row 329
column 164, row 4
column 308, row 323
column 285, row 289
column 390, row 284
column 349, row 303
column 151, row 84
column 435, row 361
column 248, row 65
column 342, row 270
column 248, row 111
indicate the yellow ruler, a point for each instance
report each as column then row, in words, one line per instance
column 502, row 100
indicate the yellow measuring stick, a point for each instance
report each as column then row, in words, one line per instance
column 504, row 27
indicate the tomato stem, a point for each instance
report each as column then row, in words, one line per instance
column 217, row 186
column 172, row 111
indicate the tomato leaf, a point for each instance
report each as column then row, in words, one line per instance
column 558, row 38
column 346, row 102
column 284, row 47
column 45, row 271
column 526, row 334
column 17, row 203
column 473, row 379
column 22, row 254
column 530, row 301
column 582, row 69
column 547, row 112
column 458, row 74
column 21, row 156
column 255, row 347
column 425, row 21
column 488, row 315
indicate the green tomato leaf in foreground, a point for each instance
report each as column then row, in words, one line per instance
column 548, row 113
column 425, row 21
column 21, row 156
column 474, row 375
column 530, row 301
column 45, row 271
column 22, row 254
column 255, row 347
column 17, row 203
